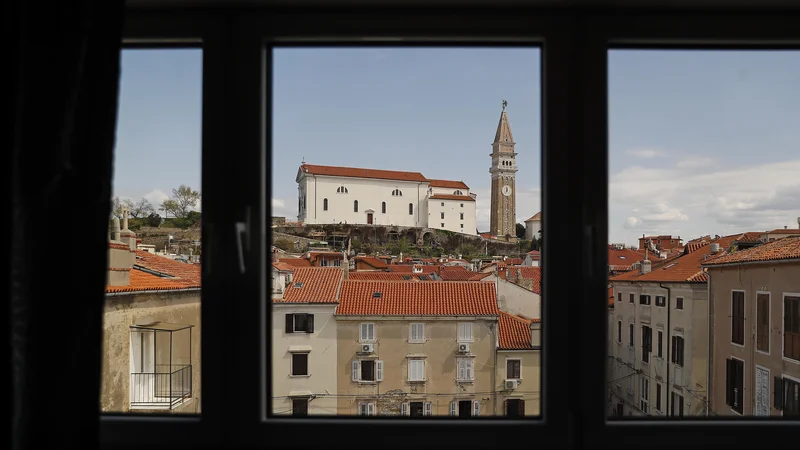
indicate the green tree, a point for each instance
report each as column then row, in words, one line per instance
column 182, row 201
column 520, row 231
column 284, row 244
column 139, row 209
column 152, row 220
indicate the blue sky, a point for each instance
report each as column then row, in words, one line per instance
column 701, row 142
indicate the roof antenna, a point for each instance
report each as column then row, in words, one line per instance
column 505, row 103
column 303, row 161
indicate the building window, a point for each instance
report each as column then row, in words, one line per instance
column 341, row 190
column 644, row 299
column 514, row 407
column 619, row 297
column 787, row 396
column 737, row 317
column 644, row 395
column 677, row 405
column 630, row 335
column 462, row 205
column 397, row 193
column 442, row 215
column 734, row 384
column 355, row 205
column 465, row 369
column 300, row 406
column 660, row 343
column 443, row 225
column 647, row 343
column 367, row 332
column 366, row 409
column 619, row 331
column 299, row 323
column 679, row 303
column 661, row 300
column 416, row 370
column 791, row 327
column 299, row 363
column 632, row 296
column 458, row 193
column 416, row 409
column 442, row 203
column 513, row 369
column 465, row 332
column 465, row 408
column 410, row 209
column 383, row 207
column 462, row 216
column 367, row 370
column 324, row 204
column 416, row 333
column 658, row 398
column 762, row 322
column 677, row 350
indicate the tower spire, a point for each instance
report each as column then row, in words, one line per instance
column 503, row 134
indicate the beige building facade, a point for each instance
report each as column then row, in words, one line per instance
column 518, row 367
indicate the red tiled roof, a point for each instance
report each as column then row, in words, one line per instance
column 143, row 281
column 514, row 332
column 779, row 249
column 382, row 276
column 514, row 261
column 531, row 273
column 319, row 285
column 177, row 269
column 435, row 298
column 372, row 261
column 283, row 267
column 622, row 259
column 427, row 270
column 479, row 276
column 448, row 184
column 537, row 216
column 334, row 171
column 463, row 198
column 784, row 231
column 296, row 262
column 610, row 296
column 455, row 273
column 535, row 254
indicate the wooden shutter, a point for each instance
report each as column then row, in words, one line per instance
column 522, row 408
column 371, row 409
column 672, row 353
column 378, row 370
column 778, row 393
column 505, row 407
column 729, row 382
column 404, row 409
column 428, row 411
column 477, row 409
column 740, row 383
column 356, row 370
column 290, row 323
column 309, row 323
column 453, row 408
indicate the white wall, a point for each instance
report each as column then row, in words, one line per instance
column 452, row 219
column 321, row 359
column 530, row 262
column 517, row 300
column 279, row 281
column 532, row 229
column 448, row 191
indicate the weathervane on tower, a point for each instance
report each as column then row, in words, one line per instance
column 505, row 103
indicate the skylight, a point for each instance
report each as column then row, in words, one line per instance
column 376, row 295
column 665, row 268
column 299, row 284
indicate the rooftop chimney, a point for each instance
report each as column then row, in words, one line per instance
column 115, row 237
column 714, row 248
column 127, row 236
column 536, row 334
column 646, row 264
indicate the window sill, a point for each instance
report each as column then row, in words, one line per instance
column 366, row 382
column 300, row 376
column 416, row 381
column 417, row 341
column 465, row 381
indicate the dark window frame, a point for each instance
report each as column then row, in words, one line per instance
column 297, row 358
column 574, row 94
column 738, row 306
column 763, row 321
column 791, row 327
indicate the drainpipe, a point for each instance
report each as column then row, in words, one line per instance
column 668, row 399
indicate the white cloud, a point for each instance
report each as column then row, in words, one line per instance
column 695, row 162
column 156, row 197
column 721, row 200
column 645, row 153
column 279, row 209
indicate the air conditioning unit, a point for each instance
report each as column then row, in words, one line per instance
column 367, row 348
column 463, row 348
column 511, row 384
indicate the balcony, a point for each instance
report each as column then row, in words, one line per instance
column 161, row 365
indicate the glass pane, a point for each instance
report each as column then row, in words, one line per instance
column 151, row 339
column 439, row 148
column 703, row 216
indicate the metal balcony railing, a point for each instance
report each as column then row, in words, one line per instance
column 165, row 388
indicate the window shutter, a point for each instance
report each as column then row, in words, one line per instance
column 371, row 409
column 477, row 405
column 378, row 370
column 428, row 409
column 404, row 409
column 310, row 323
column 461, row 370
column 740, row 385
column 522, row 407
column 453, row 408
column 729, row 382
column 356, row 370
column 505, row 407
column 289, row 323
column 778, row 393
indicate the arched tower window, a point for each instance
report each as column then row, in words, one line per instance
column 341, row 190
column 324, row 204
column 458, row 193
column 397, row 193
column 355, row 205
column 411, row 209
column 383, row 207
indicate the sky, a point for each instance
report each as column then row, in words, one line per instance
column 700, row 142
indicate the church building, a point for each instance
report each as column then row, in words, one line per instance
column 503, row 215
column 332, row 195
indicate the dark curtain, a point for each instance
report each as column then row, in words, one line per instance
column 62, row 63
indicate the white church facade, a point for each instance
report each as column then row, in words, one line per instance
column 332, row 195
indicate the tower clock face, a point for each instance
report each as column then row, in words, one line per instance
column 506, row 190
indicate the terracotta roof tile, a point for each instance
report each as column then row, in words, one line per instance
column 463, row 198
column 177, row 269
column 620, row 259
column 371, row 261
column 319, row 285
column 514, row 332
column 537, row 216
column 435, row 298
column 296, row 262
column 383, row 276
column 283, row 267
column 779, row 249
column 427, row 270
column 335, row 171
column 514, row 261
column 480, row 276
column 531, row 273
column 784, row 231
column 455, row 273
column 448, row 184
column 143, row 281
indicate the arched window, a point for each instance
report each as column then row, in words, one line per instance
column 458, row 193
column 383, row 207
column 397, row 193
column 341, row 190
column 355, row 205
column 411, row 209
column 324, row 204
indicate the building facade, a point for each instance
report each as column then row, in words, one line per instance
column 518, row 367
column 755, row 318
column 417, row 348
column 533, row 226
column 503, row 216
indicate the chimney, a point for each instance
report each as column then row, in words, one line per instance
column 536, row 334
column 116, row 230
column 785, row 227
column 714, row 248
column 646, row 264
column 798, row 222
column 127, row 236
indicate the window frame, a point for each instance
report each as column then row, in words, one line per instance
column 783, row 326
column 418, row 340
column 768, row 324
column 518, row 361
column 574, row 94
column 743, row 318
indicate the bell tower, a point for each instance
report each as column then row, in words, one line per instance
column 503, row 220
